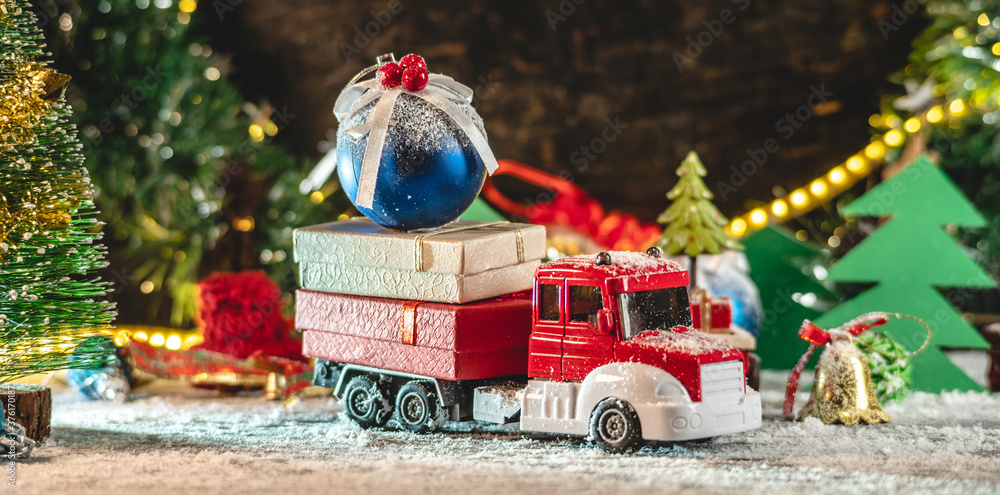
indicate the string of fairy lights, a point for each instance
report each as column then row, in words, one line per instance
column 977, row 90
column 844, row 175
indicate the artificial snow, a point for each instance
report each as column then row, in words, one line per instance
column 687, row 342
column 184, row 440
column 623, row 263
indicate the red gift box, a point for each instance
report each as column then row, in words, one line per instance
column 719, row 310
column 446, row 341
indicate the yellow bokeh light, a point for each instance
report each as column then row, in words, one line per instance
column 779, row 208
column 270, row 128
column 173, row 342
column 911, row 125
column 837, row 175
column 316, row 197
column 856, row 164
column 935, row 114
column 147, row 287
column 212, row 74
column 957, row 107
column 818, row 188
column 256, row 132
column 893, row 138
column 893, row 122
column 983, row 20
column 244, row 224
column 799, row 198
column 140, row 336
column 875, row 150
column 739, row 226
column 187, row 6
column 157, row 340
column 758, row 217
column 996, row 49
column 876, row 120
column 183, row 17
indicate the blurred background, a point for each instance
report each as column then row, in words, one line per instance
column 201, row 119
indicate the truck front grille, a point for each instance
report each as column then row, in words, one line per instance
column 722, row 383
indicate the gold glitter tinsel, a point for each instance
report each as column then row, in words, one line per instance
column 29, row 218
column 4, row 14
column 843, row 391
column 24, row 97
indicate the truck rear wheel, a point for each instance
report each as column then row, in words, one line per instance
column 614, row 425
column 418, row 409
column 367, row 402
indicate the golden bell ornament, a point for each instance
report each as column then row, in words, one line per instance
column 843, row 391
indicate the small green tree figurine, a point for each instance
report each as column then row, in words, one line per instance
column 693, row 224
column 51, row 302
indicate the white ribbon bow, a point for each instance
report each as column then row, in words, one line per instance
column 442, row 92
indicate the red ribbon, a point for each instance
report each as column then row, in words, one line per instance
column 572, row 207
column 217, row 369
column 817, row 337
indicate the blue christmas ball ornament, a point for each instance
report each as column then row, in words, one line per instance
column 429, row 173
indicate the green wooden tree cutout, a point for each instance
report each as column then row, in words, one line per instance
column 910, row 257
column 781, row 267
column 693, row 224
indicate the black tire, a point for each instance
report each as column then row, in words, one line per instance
column 614, row 425
column 418, row 409
column 367, row 401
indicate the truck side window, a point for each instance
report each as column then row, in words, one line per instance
column 549, row 303
column 584, row 302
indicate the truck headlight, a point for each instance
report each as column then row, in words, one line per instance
column 672, row 391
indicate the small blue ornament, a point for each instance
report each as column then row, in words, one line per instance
column 429, row 172
column 110, row 381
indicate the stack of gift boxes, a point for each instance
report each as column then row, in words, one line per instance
column 396, row 300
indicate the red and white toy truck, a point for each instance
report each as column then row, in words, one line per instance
column 602, row 347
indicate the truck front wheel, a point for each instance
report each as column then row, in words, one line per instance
column 614, row 425
column 418, row 408
column 367, row 402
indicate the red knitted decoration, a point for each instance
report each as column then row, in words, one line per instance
column 242, row 313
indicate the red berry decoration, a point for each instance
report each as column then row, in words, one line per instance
column 390, row 75
column 413, row 60
column 414, row 78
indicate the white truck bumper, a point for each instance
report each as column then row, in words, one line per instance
column 673, row 421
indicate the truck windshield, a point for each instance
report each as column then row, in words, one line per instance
column 660, row 309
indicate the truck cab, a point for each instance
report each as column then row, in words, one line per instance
column 613, row 355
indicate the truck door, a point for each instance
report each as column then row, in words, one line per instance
column 585, row 347
column 545, row 344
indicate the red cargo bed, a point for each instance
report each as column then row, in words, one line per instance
column 483, row 339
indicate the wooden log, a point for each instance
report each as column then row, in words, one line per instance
column 29, row 406
column 992, row 334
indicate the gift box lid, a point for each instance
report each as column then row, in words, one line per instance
column 464, row 247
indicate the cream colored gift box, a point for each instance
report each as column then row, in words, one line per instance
column 458, row 263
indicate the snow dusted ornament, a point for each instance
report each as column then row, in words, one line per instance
column 842, row 391
column 411, row 150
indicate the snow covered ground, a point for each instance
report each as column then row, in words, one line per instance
column 181, row 440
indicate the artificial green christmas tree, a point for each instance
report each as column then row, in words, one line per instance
column 782, row 268
column 693, row 224
column 188, row 179
column 50, row 299
column 911, row 257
